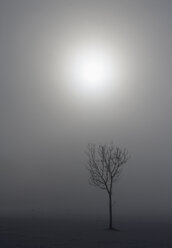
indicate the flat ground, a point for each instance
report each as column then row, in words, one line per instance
column 40, row 233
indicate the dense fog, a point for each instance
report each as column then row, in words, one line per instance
column 45, row 129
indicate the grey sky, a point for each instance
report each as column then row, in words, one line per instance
column 44, row 132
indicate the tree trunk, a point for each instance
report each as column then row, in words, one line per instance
column 110, row 211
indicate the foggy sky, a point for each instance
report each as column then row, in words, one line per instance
column 44, row 132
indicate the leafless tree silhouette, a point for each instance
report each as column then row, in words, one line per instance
column 104, row 164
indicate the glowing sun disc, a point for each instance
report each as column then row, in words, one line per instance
column 91, row 71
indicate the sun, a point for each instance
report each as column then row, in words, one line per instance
column 90, row 71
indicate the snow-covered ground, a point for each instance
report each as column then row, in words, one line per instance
column 40, row 233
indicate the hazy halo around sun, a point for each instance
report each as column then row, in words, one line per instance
column 91, row 70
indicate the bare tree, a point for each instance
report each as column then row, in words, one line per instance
column 104, row 164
